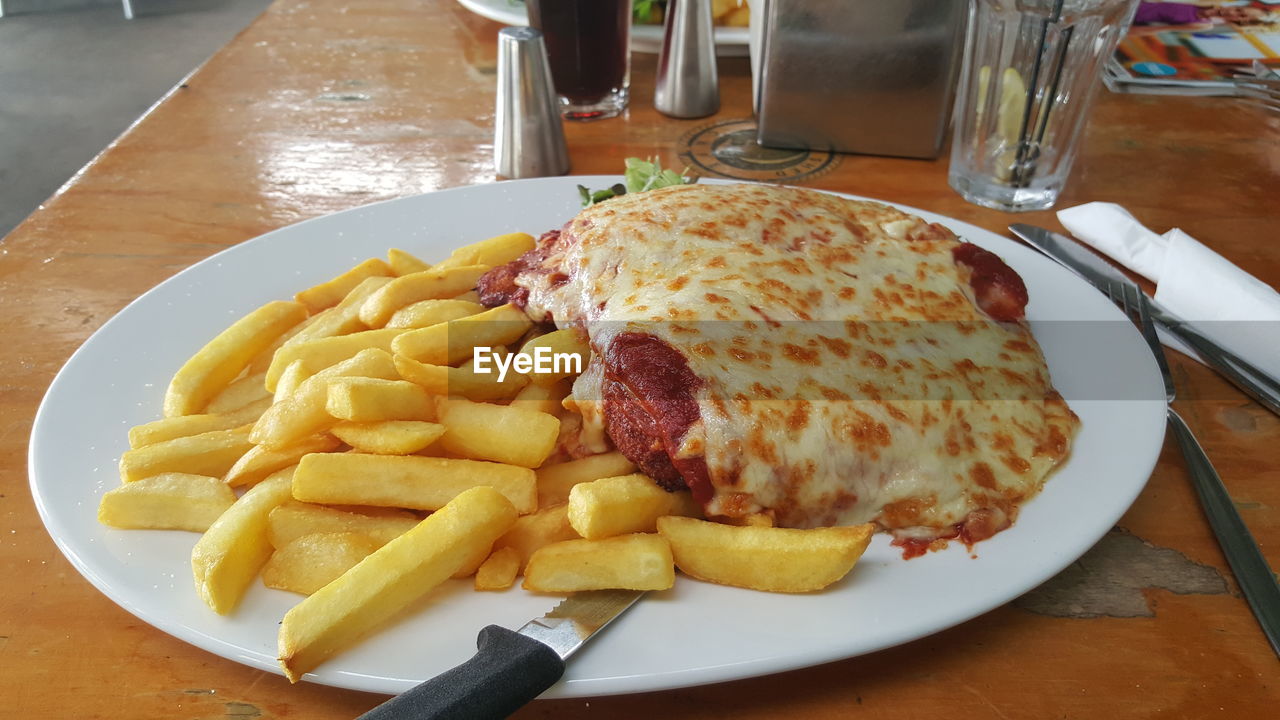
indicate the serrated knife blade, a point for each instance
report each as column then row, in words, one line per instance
column 510, row 668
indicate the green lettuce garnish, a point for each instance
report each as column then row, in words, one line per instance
column 639, row 176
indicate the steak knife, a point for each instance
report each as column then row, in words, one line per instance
column 510, row 668
column 1098, row 272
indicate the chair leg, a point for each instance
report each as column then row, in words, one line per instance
column 128, row 9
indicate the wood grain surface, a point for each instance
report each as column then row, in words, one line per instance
column 324, row 105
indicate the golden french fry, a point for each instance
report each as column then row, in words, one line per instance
column 227, row 557
column 764, row 558
column 499, row 571
column 392, row 578
column 426, row 313
column 216, row 364
column 621, row 505
column 290, row 379
column 330, row 293
column 212, row 453
column 321, row 353
column 554, row 356
column 292, row 520
column 241, row 393
column 260, row 361
column 494, row 251
column 388, row 437
column 470, row 296
column 460, row 381
column 303, row 413
column 406, row 481
column 556, row 481
column 310, row 562
column 363, row 399
column 530, row 532
column 625, row 562
column 187, row 425
column 343, row 318
column 720, row 8
column 169, row 501
column 262, row 460
column 501, row 433
column 426, row 285
column 454, row 342
column 405, row 263
column 543, row 398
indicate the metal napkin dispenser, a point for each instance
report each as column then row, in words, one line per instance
column 861, row 76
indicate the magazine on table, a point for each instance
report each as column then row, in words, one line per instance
column 1196, row 48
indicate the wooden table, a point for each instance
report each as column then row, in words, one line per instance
column 323, row 105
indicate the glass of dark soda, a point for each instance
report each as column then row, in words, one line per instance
column 588, row 45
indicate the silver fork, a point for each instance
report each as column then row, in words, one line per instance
column 1254, row 576
column 1260, row 91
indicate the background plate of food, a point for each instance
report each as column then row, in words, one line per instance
column 693, row 633
column 646, row 29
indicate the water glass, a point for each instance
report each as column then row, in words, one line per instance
column 1031, row 69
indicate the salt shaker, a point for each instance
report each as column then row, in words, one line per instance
column 687, row 85
column 528, row 136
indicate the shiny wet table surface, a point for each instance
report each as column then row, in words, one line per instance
column 321, row 106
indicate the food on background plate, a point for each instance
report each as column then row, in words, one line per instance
column 809, row 361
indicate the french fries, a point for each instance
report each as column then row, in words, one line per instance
column 494, row 251
column 293, row 376
column 170, row 501
column 543, row 398
column 453, row 342
column 365, row 399
column 321, row 353
column 563, row 344
column 764, row 558
column 438, row 282
column 344, row 317
column 219, row 362
column 426, row 313
column 303, row 413
column 229, row 555
column 292, row 520
column 497, row 432
column 330, row 293
column 556, row 481
column 211, row 453
column 245, row 391
column 310, row 562
column 188, row 425
column 621, row 505
column 407, row 481
column 624, row 562
column 460, row 381
column 388, row 437
column 262, row 460
column 499, row 571
column 405, row 263
column 546, row 526
column 390, row 579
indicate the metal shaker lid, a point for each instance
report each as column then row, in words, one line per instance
column 687, row 85
column 528, row 139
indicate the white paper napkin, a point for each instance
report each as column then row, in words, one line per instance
column 1234, row 308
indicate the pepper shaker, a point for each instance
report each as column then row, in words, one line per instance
column 687, row 85
column 528, row 135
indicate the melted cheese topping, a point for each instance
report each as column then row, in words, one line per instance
column 847, row 374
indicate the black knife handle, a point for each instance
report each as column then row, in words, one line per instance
column 507, row 671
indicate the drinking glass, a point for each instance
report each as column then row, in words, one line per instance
column 589, row 48
column 1031, row 69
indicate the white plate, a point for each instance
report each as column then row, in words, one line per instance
column 695, row 633
column 730, row 41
